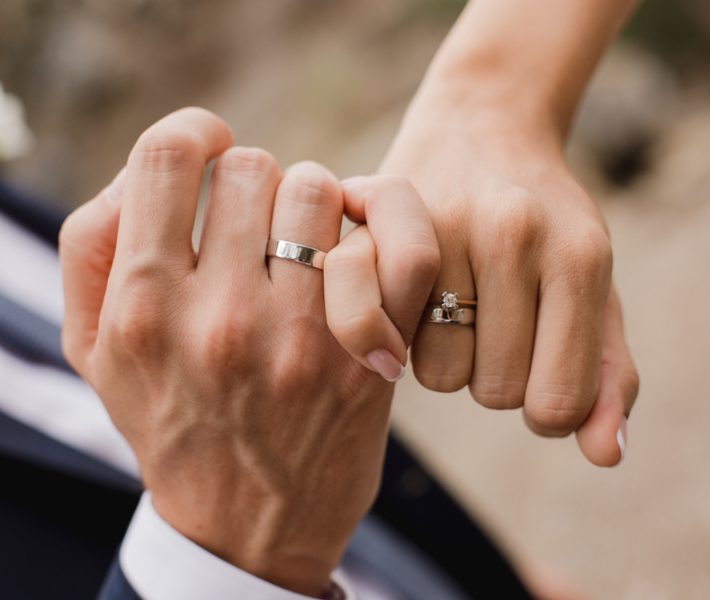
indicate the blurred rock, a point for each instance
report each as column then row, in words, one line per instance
column 630, row 102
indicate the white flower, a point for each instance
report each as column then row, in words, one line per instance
column 15, row 136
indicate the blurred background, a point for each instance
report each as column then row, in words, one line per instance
column 329, row 81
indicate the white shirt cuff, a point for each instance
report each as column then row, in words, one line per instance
column 162, row 564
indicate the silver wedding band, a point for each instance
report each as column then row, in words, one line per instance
column 304, row 255
column 460, row 316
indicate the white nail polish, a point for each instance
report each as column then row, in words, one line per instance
column 402, row 373
column 621, row 437
column 386, row 365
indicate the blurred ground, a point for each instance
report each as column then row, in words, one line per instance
column 329, row 81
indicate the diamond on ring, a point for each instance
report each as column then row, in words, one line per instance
column 450, row 310
column 450, row 300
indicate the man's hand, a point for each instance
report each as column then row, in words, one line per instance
column 259, row 437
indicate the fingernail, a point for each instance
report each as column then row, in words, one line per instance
column 115, row 188
column 386, row 364
column 621, row 438
column 352, row 180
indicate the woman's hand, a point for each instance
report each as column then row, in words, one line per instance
column 518, row 233
column 259, row 437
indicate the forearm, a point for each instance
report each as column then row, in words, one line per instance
column 530, row 57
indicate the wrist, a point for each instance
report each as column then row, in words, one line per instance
column 504, row 53
column 447, row 112
column 489, row 102
column 302, row 575
column 256, row 535
column 161, row 562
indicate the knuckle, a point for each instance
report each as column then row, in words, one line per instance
column 450, row 376
column 148, row 276
column 290, row 376
column 136, row 329
column 499, row 393
column 311, row 183
column 438, row 381
column 556, row 411
column 516, row 224
column 290, row 373
column 137, row 315
column 589, row 255
column 248, row 161
column 168, row 151
column 223, row 345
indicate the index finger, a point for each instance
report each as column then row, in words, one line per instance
column 163, row 179
column 408, row 255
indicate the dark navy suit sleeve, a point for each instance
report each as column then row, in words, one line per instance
column 41, row 218
column 116, row 586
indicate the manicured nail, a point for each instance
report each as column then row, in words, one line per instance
column 352, row 180
column 621, row 438
column 115, row 188
column 386, row 364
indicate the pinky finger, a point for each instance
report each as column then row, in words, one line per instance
column 353, row 306
column 603, row 437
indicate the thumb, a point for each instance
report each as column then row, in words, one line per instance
column 603, row 436
column 87, row 243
